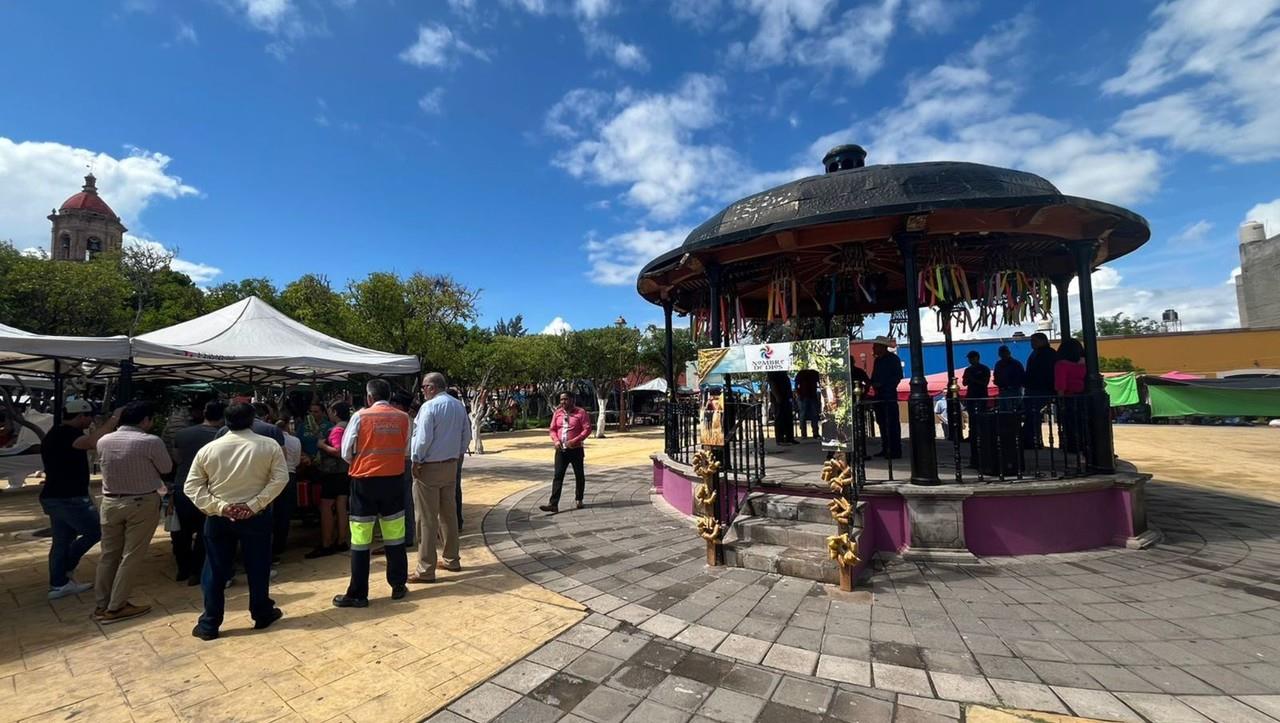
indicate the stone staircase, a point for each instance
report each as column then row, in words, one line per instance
column 786, row 534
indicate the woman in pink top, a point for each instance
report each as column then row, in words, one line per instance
column 335, row 486
column 1068, row 381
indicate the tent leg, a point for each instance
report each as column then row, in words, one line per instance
column 58, row 392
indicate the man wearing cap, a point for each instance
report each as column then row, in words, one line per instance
column 65, row 494
column 886, row 372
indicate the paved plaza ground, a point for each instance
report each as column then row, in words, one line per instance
column 610, row 614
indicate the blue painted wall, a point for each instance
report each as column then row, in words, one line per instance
column 935, row 354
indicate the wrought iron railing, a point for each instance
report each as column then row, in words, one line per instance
column 999, row 439
column 682, row 428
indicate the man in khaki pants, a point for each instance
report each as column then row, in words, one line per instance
column 133, row 462
column 440, row 438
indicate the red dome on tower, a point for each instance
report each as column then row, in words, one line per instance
column 88, row 200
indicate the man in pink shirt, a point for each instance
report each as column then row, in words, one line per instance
column 570, row 427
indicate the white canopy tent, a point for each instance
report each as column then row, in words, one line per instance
column 252, row 335
column 653, row 385
column 28, row 353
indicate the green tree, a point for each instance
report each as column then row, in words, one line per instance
column 1121, row 324
column 1117, row 364
column 423, row 315
column 512, row 327
column 55, row 297
column 653, row 350
column 602, row 357
column 311, row 300
column 173, row 298
column 228, row 293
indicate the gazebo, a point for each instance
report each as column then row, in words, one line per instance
column 984, row 246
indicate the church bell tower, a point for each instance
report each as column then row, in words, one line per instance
column 85, row 226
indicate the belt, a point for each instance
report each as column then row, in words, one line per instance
column 442, row 461
column 115, row 495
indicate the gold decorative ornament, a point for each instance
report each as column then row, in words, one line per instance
column 837, row 474
column 705, row 495
column 843, row 549
column 705, row 464
column 708, row 528
column 841, row 510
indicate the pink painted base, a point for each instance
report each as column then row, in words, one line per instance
column 994, row 525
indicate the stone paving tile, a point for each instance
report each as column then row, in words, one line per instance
column 966, row 688
column 804, row 694
column 1223, row 708
column 1095, row 704
column 844, row 670
column 751, row 650
column 795, row 660
column 1027, row 696
column 523, row 676
column 1158, row 707
column 900, row 679
column 729, row 706
column 484, row 703
column 606, row 705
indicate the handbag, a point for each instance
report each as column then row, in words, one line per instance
column 171, row 521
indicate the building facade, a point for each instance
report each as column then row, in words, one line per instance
column 1258, row 285
column 85, row 226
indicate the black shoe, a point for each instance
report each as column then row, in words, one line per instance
column 549, row 508
column 342, row 601
column 321, row 552
column 274, row 615
column 398, row 592
column 182, row 576
column 205, row 635
column 577, row 505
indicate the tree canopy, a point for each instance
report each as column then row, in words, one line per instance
column 1121, row 324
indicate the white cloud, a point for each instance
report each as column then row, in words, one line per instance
column 1219, row 65
column 199, row 273
column 965, row 110
column 630, row 56
column 437, row 46
column 557, row 327
column 936, row 16
column 1193, row 235
column 186, row 34
column 805, row 32
column 700, row 14
column 432, row 102
column 267, row 15
column 646, row 142
column 623, row 54
column 593, row 9
column 617, row 260
column 536, row 7
column 1268, row 214
column 38, row 176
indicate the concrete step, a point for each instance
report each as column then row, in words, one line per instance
column 797, row 507
column 788, row 533
column 763, row 557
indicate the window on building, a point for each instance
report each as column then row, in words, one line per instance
column 66, row 241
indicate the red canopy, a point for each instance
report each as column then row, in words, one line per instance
column 938, row 385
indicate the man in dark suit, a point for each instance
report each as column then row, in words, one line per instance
column 886, row 372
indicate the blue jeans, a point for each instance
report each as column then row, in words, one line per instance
column 221, row 534
column 76, row 529
column 810, row 415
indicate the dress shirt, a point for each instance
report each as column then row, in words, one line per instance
column 443, row 430
column 132, row 461
column 239, row 467
column 292, row 451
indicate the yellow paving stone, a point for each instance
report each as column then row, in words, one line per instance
column 107, row 707
column 982, row 714
column 235, row 669
column 345, row 694
column 289, row 684
column 185, row 681
column 129, row 650
column 158, row 712
column 249, row 704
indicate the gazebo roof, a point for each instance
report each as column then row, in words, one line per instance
column 807, row 222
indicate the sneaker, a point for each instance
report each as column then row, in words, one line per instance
column 274, row 573
column 455, row 567
column 342, row 601
column 127, row 612
column 70, row 588
column 274, row 615
column 205, row 635
column 230, row 582
column 549, row 508
column 398, row 592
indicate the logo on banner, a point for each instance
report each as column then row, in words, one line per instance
column 769, row 358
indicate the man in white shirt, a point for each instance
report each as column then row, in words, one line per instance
column 283, row 508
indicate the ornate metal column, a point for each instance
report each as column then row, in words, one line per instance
column 672, row 443
column 1101, row 445
column 714, row 321
column 924, row 451
column 1062, row 287
column 953, row 406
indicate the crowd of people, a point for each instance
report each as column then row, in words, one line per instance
column 226, row 487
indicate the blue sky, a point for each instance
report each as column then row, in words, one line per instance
column 543, row 149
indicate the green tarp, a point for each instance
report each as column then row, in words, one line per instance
column 1185, row 400
column 1123, row 389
